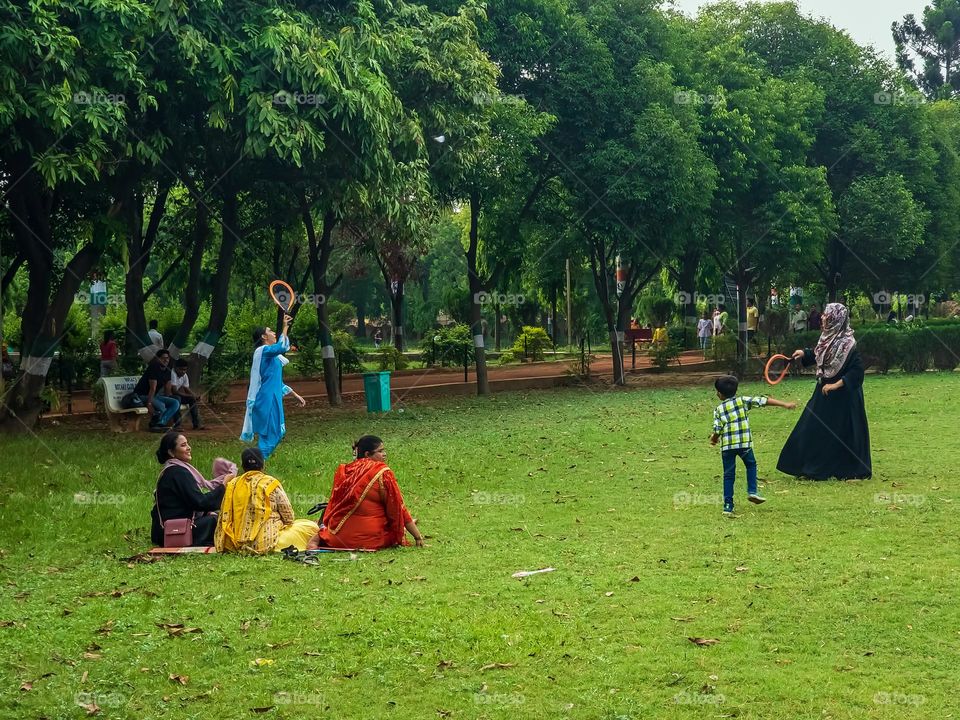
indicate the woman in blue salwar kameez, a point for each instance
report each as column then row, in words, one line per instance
column 264, row 417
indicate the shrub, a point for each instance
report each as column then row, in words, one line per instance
column 348, row 355
column 450, row 345
column 880, row 348
column 389, row 358
column 665, row 354
column 917, row 345
column 946, row 352
column 308, row 361
column 531, row 342
column 657, row 310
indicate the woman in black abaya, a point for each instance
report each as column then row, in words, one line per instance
column 831, row 439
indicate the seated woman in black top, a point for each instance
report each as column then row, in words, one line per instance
column 179, row 495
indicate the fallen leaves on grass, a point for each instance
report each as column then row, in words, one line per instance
column 262, row 709
column 635, row 578
column 26, row 687
column 262, row 662
column 180, row 679
column 145, row 558
column 689, row 618
column 741, row 568
column 92, row 656
column 496, row 666
column 178, row 629
column 444, row 664
column 703, row 642
column 91, row 708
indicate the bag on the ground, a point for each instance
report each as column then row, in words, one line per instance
column 131, row 400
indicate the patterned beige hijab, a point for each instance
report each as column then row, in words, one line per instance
column 836, row 341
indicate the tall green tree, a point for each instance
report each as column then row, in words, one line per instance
column 928, row 49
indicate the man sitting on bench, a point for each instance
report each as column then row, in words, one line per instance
column 180, row 385
column 154, row 389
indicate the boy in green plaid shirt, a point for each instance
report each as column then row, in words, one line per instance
column 731, row 428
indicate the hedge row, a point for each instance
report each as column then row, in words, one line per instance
column 913, row 347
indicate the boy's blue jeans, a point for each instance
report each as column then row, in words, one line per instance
column 730, row 472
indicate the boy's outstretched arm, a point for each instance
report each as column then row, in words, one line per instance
column 780, row 403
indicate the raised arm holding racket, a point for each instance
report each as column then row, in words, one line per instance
column 264, row 416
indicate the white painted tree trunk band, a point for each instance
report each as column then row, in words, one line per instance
column 743, row 326
column 174, row 351
column 398, row 330
column 326, row 352
column 147, row 352
column 478, row 341
column 204, row 350
column 38, row 366
column 620, row 335
column 205, row 347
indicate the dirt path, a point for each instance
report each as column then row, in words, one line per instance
column 408, row 386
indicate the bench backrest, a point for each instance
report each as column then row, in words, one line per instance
column 114, row 388
column 639, row 335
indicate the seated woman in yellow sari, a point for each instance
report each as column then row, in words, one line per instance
column 366, row 508
column 256, row 516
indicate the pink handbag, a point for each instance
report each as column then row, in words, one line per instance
column 176, row 533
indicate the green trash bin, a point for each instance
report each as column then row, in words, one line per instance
column 376, row 388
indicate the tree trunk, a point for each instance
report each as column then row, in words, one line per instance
column 23, row 410
column 320, row 252
column 475, row 288
column 230, row 235
column 497, row 330
column 191, row 293
column 396, row 305
column 361, row 320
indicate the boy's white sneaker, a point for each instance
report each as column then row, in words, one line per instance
column 756, row 499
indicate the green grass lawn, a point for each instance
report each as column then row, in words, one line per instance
column 833, row 600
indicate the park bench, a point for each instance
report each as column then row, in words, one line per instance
column 114, row 388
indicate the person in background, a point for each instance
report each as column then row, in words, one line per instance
column 108, row 354
column 377, row 338
column 753, row 321
column 154, row 389
column 180, row 389
column 634, row 324
column 798, row 320
column 724, row 315
column 6, row 364
column 660, row 336
column 705, row 330
column 155, row 335
column 813, row 319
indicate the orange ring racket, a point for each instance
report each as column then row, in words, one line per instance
column 283, row 295
column 778, row 367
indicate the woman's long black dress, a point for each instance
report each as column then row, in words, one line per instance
column 831, row 439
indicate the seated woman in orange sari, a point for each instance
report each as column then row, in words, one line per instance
column 366, row 509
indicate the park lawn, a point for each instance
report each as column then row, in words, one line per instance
column 833, row 600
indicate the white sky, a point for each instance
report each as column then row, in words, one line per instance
column 867, row 21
